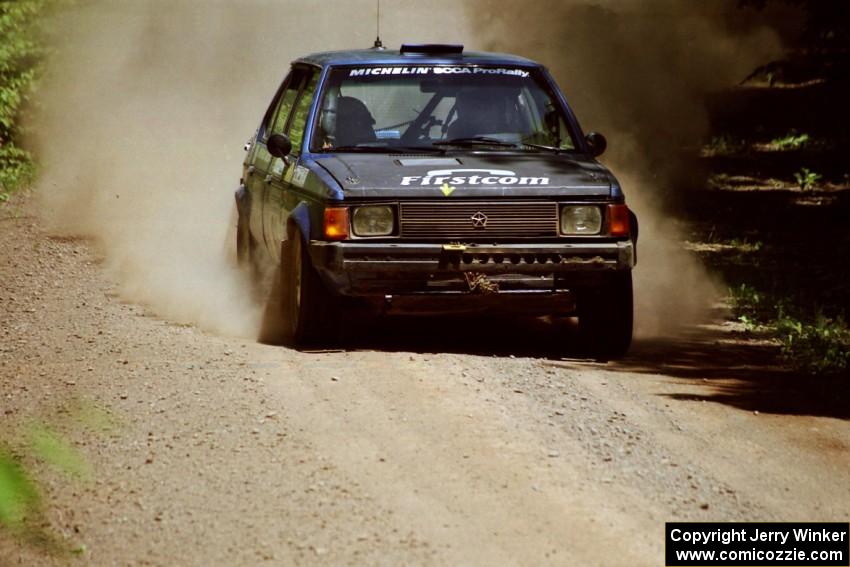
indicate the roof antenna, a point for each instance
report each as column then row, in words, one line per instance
column 378, row 44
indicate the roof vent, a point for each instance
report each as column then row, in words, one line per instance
column 432, row 49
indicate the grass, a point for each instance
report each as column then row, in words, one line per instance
column 17, row 170
column 744, row 245
column 807, row 179
column 747, row 303
column 53, row 449
column 38, row 449
column 819, row 347
column 791, row 141
column 19, row 497
column 740, row 145
column 724, row 145
column 782, row 260
column 811, row 341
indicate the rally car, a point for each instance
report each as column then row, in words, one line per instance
column 433, row 180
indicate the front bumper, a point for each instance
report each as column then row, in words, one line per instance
column 386, row 269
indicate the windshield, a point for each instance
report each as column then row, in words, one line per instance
column 438, row 107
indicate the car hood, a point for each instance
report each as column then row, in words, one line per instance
column 381, row 175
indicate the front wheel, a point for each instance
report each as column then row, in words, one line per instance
column 243, row 243
column 606, row 317
column 299, row 306
column 247, row 252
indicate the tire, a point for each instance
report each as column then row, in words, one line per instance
column 606, row 318
column 298, row 307
column 243, row 243
column 248, row 259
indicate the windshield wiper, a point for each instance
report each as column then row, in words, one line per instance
column 475, row 141
column 358, row 148
column 385, row 149
column 542, row 147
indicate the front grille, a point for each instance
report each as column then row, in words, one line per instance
column 463, row 220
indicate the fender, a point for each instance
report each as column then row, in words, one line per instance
column 243, row 201
column 633, row 221
column 334, row 189
column 299, row 222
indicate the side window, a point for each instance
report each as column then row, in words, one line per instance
column 277, row 122
column 301, row 112
column 547, row 124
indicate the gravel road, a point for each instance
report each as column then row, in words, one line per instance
column 428, row 443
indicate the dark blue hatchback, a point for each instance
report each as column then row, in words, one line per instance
column 433, row 180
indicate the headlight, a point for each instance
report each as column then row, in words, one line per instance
column 373, row 221
column 578, row 220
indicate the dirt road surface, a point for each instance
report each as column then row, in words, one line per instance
column 429, row 443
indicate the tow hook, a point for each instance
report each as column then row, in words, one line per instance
column 452, row 253
column 480, row 283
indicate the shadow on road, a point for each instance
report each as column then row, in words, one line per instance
column 733, row 369
column 739, row 372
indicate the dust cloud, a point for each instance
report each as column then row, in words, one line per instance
column 148, row 104
column 638, row 71
column 142, row 120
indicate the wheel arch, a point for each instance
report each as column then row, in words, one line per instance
column 243, row 201
column 298, row 222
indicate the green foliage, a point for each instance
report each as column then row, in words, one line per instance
column 818, row 345
column 748, row 303
column 21, row 56
column 21, row 507
column 807, row 179
column 744, row 245
column 821, row 347
column 92, row 417
column 18, row 495
column 792, row 141
column 725, row 145
column 16, row 170
column 54, row 450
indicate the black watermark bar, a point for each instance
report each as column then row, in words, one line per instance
column 809, row 544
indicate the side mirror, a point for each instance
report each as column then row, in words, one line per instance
column 597, row 143
column 279, row 145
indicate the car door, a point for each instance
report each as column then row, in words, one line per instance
column 257, row 164
column 286, row 174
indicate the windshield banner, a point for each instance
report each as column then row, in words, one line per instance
column 374, row 71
